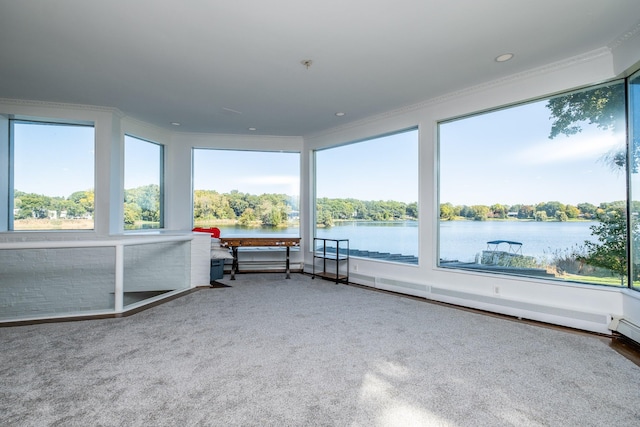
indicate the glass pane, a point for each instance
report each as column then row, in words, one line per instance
column 142, row 184
column 634, row 146
column 367, row 192
column 538, row 189
column 246, row 192
column 53, row 172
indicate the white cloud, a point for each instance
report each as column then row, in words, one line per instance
column 576, row 148
column 268, row 180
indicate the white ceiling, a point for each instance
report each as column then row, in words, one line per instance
column 224, row 66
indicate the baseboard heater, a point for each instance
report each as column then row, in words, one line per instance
column 592, row 321
column 626, row 328
column 579, row 319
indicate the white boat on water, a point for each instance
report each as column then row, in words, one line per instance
column 504, row 253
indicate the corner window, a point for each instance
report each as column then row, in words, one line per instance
column 52, row 176
column 634, row 170
column 143, row 184
column 367, row 192
column 246, row 192
column 538, row 189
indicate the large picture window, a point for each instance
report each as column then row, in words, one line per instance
column 634, row 171
column 143, row 184
column 367, row 192
column 538, row 189
column 52, row 172
column 246, row 192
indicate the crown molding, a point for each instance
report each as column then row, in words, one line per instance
column 624, row 37
column 60, row 105
column 513, row 78
column 236, row 136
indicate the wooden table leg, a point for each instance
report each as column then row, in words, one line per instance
column 234, row 264
column 288, row 275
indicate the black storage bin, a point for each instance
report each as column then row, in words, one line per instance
column 217, row 269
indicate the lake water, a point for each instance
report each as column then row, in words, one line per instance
column 460, row 240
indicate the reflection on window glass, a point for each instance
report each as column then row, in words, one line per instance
column 143, row 166
column 246, row 192
column 634, row 147
column 53, row 176
column 367, row 192
column 538, row 189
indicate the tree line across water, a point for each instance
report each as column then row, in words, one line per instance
column 271, row 209
column 546, row 211
column 142, row 204
column 79, row 204
column 278, row 209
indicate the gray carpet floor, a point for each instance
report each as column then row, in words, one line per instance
column 301, row 352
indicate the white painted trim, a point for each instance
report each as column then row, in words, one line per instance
column 119, row 279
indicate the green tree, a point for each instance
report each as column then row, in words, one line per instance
column 208, row 204
column 447, row 212
column 325, row 219
column 603, row 106
column 132, row 213
column 273, row 211
column 587, row 209
column 467, row 211
column 499, row 211
column 610, row 249
column 551, row 208
column 572, row 211
column 147, row 197
column 84, row 202
column 480, row 212
column 541, row 216
column 31, row 205
column 526, row 211
column 238, row 202
column 247, row 217
column 412, row 210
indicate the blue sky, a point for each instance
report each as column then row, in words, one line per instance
column 53, row 160
column 141, row 162
column 506, row 157
column 254, row 172
column 384, row 168
column 380, row 169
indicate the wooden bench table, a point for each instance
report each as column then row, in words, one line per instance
column 248, row 242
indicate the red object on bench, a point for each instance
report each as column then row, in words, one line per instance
column 214, row 231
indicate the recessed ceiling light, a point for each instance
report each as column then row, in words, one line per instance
column 175, row 124
column 504, row 57
column 252, row 129
column 340, row 114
